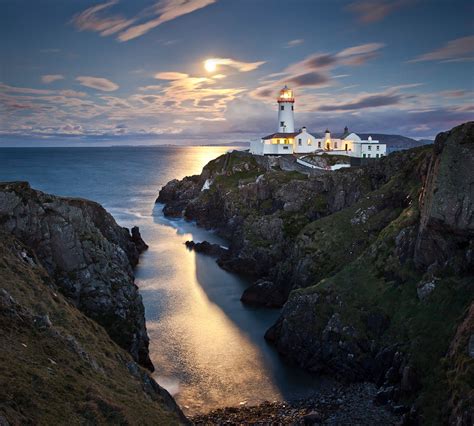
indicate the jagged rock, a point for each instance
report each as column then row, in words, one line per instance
column 57, row 365
column 208, row 248
column 138, row 240
column 447, row 219
column 87, row 253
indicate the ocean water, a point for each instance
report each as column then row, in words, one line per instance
column 207, row 347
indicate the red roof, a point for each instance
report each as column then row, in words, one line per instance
column 281, row 135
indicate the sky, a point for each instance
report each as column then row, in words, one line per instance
column 209, row 71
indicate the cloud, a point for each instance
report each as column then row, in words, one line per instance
column 367, row 101
column 369, row 11
column 97, row 83
column 89, row 20
column 294, row 43
column 50, row 78
column 312, row 78
column 453, row 50
column 238, row 65
column 314, row 70
column 171, row 75
column 167, row 11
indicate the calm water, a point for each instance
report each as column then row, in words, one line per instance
column 207, row 347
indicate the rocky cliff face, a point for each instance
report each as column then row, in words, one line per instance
column 376, row 262
column 89, row 257
column 57, row 366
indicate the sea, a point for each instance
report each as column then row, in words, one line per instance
column 208, row 348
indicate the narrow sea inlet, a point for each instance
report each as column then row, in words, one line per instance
column 208, row 348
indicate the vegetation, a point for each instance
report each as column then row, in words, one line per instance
column 69, row 371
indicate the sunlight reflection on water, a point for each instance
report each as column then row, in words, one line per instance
column 207, row 347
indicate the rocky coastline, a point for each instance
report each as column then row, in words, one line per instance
column 74, row 341
column 373, row 266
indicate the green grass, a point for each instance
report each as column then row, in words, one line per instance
column 43, row 379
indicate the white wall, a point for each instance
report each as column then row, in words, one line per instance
column 286, row 116
column 305, row 142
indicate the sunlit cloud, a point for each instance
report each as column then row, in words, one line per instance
column 294, row 43
column 454, row 50
column 97, row 83
column 91, row 20
column 171, row 75
column 368, row 11
column 94, row 18
column 212, row 64
column 50, row 78
column 167, row 11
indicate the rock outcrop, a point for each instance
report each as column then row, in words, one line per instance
column 89, row 257
column 57, row 366
column 376, row 263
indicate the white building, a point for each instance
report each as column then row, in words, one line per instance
column 289, row 141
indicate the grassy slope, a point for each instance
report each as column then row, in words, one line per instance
column 69, row 373
column 425, row 328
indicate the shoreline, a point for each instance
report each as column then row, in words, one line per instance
column 341, row 404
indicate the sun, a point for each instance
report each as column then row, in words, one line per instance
column 210, row 65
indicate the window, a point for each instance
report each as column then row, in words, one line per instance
column 282, row 107
column 285, row 147
column 368, row 155
column 376, row 156
column 363, row 155
column 369, row 148
column 319, row 144
column 299, row 141
column 335, row 145
column 378, row 147
column 345, row 147
column 309, row 141
column 282, row 124
column 292, row 108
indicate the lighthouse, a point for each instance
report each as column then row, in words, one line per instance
column 286, row 119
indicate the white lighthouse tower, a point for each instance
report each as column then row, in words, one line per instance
column 286, row 119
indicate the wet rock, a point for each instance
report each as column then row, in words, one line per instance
column 138, row 240
column 208, row 248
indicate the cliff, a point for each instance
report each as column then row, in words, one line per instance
column 374, row 265
column 87, row 255
column 57, row 366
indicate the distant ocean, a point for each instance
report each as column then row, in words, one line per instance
column 207, row 347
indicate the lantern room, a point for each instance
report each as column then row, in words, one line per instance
column 286, row 95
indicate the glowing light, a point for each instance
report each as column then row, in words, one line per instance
column 210, row 65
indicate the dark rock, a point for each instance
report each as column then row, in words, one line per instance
column 447, row 223
column 42, row 322
column 312, row 418
column 384, row 395
column 208, row 248
column 264, row 293
column 409, row 383
column 138, row 240
column 89, row 255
